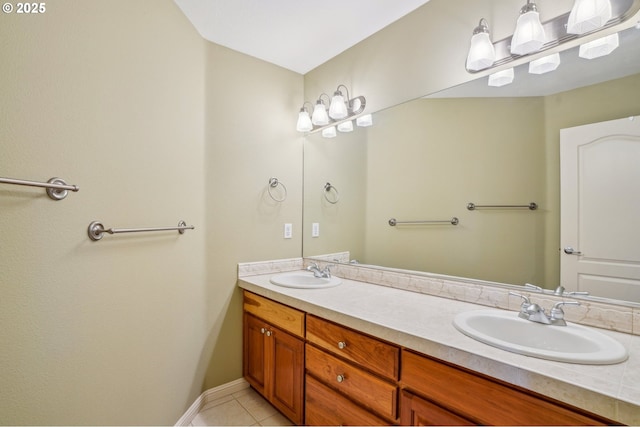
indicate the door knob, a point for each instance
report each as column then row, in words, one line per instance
column 570, row 251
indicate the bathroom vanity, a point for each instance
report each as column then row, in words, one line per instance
column 363, row 354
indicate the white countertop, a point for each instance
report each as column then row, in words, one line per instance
column 424, row 323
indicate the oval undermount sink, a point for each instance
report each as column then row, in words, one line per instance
column 571, row 343
column 304, row 280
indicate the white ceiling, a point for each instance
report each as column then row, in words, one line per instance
column 295, row 34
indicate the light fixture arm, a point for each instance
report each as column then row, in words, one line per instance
column 345, row 88
column 529, row 7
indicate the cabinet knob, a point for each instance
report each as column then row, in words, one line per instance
column 269, row 333
column 340, row 378
column 263, row 330
column 342, row 345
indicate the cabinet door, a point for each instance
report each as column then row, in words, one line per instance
column 415, row 411
column 254, row 353
column 288, row 368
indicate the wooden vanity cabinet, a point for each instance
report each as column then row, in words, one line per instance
column 273, row 353
column 435, row 392
column 351, row 377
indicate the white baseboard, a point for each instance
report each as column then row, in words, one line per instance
column 209, row 396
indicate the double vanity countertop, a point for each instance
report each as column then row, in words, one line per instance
column 424, row 323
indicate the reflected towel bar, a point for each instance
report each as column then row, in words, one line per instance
column 57, row 188
column 453, row 221
column 96, row 229
column 531, row 206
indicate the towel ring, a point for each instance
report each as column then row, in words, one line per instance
column 327, row 188
column 273, row 183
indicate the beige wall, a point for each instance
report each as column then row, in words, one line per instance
column 126, row 100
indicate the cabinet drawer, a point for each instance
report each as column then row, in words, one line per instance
column 359, row 385
column 325, row 407
column 484, row 401
column 373, row 354
column 282, row 316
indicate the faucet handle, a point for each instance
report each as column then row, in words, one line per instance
column 526, row 300
column 533, row 288
column 526, row 303
column 557, row 313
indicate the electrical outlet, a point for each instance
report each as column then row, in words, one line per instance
column 315, row 229
column 288, row 231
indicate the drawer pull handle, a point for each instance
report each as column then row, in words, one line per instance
column 342, row 345
column 340, row 378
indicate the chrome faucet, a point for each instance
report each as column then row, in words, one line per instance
column 535, row 313
column 326, row 273
column 560, row 290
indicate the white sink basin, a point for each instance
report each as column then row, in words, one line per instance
column 572, row 343
column 304, row 280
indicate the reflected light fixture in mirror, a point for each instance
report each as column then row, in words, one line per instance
column 529, row 35
column 365, row 120
column 329, row 132
column 304, row 120
column 338, row 108
column 588, row 15
column 346, row 126
column 599, row 47
column 501, row 78
column 482, row 54
column 340, row 113
column 320, row 116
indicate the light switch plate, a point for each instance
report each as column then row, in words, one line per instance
column 288, row 231
column 315, row 229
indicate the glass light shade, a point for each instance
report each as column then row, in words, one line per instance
column 304, row 121
column 501, row 78
column 364, row 121
column 588, row 15
column 600, row 47
column 482, row 54
column 345, row 126
column 529, row 35
column 337, row 109
column 329, row 132
column 545, row 64
column 319, row 116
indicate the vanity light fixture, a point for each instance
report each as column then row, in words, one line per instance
column 346, row 126
column 588, row 15
column 320, row 116
column 599, row 47
column 481, row 54
column 340, row 113
column 338, row 107
column 329, row 132
column 304, row 120
column 545, row 64
column 529, row 36
column 365, row 120
column 501, row 78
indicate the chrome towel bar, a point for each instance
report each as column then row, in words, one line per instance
column 453, row 221
column 96, row 229
column 57, row 188
column 531, row 206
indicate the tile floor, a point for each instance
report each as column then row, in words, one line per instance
column 243, row 408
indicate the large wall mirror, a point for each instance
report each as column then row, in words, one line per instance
column 427, row 159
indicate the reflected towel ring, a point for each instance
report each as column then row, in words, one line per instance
column 327, row 188
column 273, row 183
